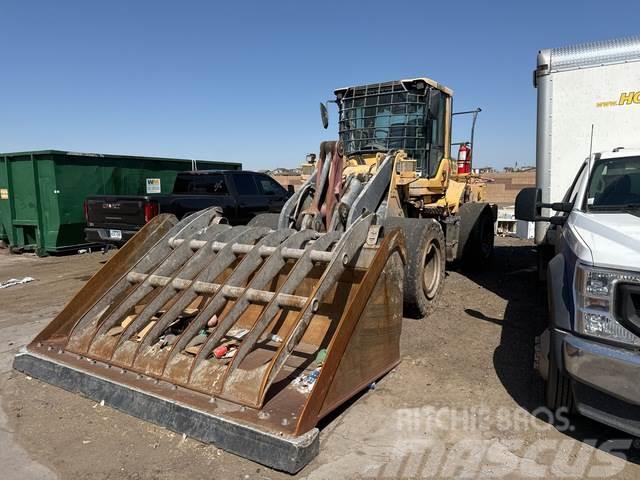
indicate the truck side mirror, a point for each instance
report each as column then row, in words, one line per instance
column 565, row 207
column 529, row 207
column 528, row 204
column 324, row 114
column 291, row 189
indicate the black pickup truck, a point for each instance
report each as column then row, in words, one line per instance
column 113, row 219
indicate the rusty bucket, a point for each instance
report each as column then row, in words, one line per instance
column 244, row 337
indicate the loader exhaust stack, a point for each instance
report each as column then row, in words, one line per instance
column 244, row 336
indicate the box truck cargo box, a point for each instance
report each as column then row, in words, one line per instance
column 583, row 88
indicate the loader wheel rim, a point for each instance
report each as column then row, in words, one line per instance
column 431, row 271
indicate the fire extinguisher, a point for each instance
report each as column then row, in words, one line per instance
column 464, row 159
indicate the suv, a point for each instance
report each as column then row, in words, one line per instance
column 590, row 351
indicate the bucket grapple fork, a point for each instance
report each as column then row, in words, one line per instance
column 244, row 337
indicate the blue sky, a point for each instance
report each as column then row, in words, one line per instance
column 241, row 81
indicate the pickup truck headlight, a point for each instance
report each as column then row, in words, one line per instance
column 594, row 290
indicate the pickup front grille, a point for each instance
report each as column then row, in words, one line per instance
column 627, row 306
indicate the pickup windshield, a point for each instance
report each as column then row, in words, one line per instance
column 614, row 185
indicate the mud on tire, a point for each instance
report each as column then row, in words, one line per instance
column 425, row 269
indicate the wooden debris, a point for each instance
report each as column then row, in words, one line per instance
column 190, row 312
column 143, row 333
column 118, row 329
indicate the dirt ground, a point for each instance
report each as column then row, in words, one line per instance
column 464, row 402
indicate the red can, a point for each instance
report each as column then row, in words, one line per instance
column 220, row 351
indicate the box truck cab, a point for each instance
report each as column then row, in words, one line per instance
column 591, row 350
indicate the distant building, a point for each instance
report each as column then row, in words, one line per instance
column 482, row 170
column 524, row 168
column 284, row 172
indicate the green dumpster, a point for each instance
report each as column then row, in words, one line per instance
column 3, row 234
column 42, row 193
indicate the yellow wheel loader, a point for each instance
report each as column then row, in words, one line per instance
column 247, row 336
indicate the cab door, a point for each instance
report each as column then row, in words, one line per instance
column 435, row 131
column 273, row 192
column 251, row 201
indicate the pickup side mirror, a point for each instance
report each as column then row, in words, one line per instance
column 527, row 204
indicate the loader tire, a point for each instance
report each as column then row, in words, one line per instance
column 476, row 236
column 269, row 220
column 425, row 269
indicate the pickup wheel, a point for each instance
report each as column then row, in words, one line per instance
column 557, row 388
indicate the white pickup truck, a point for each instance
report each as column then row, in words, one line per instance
column 590, row 352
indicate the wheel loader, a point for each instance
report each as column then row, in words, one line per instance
column 248, row 336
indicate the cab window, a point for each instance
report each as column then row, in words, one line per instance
column 200, row 185
column 269, row 186
column 571, row 194
column 245, row 184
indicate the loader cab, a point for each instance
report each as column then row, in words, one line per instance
column 412, row 115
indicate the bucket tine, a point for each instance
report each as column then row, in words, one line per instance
column 346, row 249
column 193, row 266
column 294, row 279
column 219, row 301
column 173, row 262
column 250, row 262
column 135, row 251
column 173, row 289
column 84, row 329
column 267, row 273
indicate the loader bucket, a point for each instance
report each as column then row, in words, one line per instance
column 244, row 337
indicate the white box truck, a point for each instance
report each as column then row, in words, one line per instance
column 592, row 84
column 589, row 355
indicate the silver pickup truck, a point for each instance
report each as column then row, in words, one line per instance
column 590, row 352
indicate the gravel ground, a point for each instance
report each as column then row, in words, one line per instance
column 464, row 402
